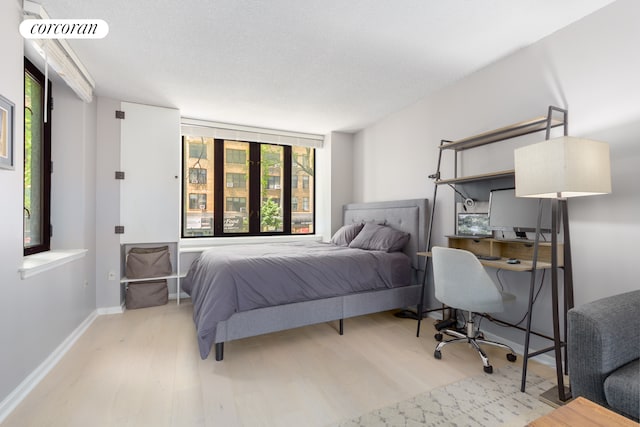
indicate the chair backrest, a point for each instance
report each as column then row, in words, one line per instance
column 462, row 282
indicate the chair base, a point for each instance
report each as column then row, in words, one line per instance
column 474, row 339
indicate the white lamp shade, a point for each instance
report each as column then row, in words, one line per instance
column 563, row 167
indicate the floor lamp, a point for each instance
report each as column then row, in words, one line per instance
column 560, row 168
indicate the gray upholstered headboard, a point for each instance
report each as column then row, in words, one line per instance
column 410, row 216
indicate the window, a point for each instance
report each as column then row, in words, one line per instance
column 273, row 182
column 37, row 162
column 198, row 187
column 271, row 210
column 236, row 204
column 197, row 176
column 237, row 172
column 271, row 156
column 249, row 187
column 197, row 201
column 197, row 150
column 236, row 180
column 302, row 216
column 236, row 156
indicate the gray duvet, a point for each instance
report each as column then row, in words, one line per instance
column 229, row 279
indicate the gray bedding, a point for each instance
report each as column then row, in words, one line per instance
column 229, row 279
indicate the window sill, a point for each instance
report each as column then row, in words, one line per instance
column 199, row 244
column 45, row 261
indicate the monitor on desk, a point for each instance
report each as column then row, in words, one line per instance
column 520, row 214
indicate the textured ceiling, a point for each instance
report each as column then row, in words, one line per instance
column 303, row 65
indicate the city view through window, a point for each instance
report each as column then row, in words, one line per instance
column 246, row 188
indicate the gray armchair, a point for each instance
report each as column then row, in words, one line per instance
column 604, row 352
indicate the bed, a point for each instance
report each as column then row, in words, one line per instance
column 248, row 290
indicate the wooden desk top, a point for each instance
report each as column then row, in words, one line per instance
column 582, row 412
column 503, row 264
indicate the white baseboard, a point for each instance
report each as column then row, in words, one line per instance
column 118, row 309
column 183, row 295
column 545, row 359
column 31, row 381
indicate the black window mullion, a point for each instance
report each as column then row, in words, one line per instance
column 219, row 186
column 286, row 182
column 254, row 188
column 315, row 192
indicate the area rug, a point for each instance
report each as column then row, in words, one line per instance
column 483, row 400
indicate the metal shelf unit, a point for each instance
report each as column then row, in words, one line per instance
column 556, row 117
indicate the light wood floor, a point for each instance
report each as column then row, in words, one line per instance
column 142, row 368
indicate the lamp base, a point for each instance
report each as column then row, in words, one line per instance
column 552, row 397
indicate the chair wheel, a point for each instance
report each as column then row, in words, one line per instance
column 438, row 337
column 437, row 354
column 511, row 357
column 488, row 369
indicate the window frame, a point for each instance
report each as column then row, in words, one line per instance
column 236, row 178
column 253, row 200
column 197, row 199
column 274, row 182
column 197, row 172
column 236, row 201
column 203, row 151
column 46, row 166
column 232, row 153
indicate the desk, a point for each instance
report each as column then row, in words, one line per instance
column 524, row 266
column 523, row 250
column 520, row 249
column 582, row 412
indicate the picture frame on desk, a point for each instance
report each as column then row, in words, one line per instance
column 6, row 133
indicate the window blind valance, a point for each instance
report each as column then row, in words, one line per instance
column 194, row 127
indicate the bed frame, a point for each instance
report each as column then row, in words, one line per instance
column 410, row 216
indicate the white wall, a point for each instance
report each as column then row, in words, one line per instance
column 108, row 292
column 590, row 67
column 74, row 161
column 334, row 182
column 12, row 369
column 323, row 189
column 39, row 313
column 341, row 176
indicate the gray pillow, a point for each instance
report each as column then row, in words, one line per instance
column 346, row 234
column 380, row 238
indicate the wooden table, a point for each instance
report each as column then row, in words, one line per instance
column 582, row 412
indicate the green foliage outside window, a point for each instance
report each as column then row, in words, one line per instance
column 270, row 215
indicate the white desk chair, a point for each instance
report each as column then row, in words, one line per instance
column 462, row 282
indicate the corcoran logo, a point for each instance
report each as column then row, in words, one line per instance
column 64, row 28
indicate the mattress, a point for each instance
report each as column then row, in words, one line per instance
column 229, row 279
